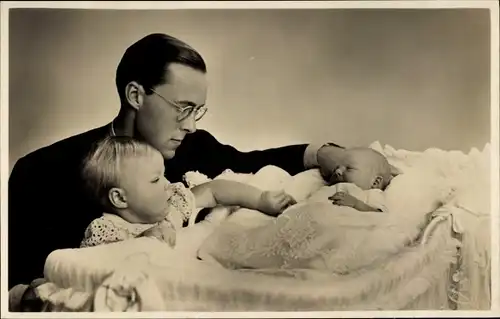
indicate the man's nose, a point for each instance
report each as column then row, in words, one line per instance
column 189, row 124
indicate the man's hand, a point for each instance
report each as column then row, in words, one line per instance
column 344, row 199
column 329, row 158
column 275, row 202
column 163, row 231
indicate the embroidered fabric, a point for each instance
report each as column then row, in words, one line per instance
column 181, row 204
column 127, row 290
column 296, row 239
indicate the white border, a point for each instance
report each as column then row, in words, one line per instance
column 146, row 5
column 4, row 147
column 339, row 314
column 127, row 5
column 495, row 168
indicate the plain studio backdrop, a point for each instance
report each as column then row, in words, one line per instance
column 413, row 79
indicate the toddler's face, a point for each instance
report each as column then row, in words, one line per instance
column 364, row 169
column 145, row 187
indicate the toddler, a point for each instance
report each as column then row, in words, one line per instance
column 361, row 185
column 126, row 178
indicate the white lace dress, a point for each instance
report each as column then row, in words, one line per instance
column 112, row 228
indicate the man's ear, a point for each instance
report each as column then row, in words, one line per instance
column 117, row 198
column 134, row 94
column 377, row 182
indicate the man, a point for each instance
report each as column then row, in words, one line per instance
column 162, row 86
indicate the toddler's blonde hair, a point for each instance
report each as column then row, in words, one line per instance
column 101, row 169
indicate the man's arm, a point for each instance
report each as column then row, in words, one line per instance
column 326, row 157
column 45, row 212
column 48, row 208
column 212, row 157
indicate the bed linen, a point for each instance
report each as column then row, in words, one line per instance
column 446, row 267
column 144, row 278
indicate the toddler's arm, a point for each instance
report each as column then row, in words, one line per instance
column 231, row 193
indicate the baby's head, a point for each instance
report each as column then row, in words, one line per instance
column 126, row 177
column 369, row 169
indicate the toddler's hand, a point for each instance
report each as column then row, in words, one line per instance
column 163, row 231
column 275, row 202
column 343, row 199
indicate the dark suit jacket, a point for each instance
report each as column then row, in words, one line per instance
column 49, row 209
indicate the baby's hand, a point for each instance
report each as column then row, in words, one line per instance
column 163, row 231
column 343, row 199
column 275, row 202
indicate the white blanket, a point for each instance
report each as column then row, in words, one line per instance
column 340, row 239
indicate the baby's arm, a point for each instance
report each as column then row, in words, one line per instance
column 231, row 193
column 345, row 199
column 363, row 207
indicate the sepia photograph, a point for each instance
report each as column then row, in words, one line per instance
column 212, row 158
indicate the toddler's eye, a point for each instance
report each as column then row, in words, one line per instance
column 156, row 180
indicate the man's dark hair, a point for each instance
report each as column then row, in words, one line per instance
column 146, row 61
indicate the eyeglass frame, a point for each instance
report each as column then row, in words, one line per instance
column 181, row 110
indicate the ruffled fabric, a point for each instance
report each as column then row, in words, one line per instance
column 128, row 291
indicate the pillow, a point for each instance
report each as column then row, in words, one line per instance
column 232, row 176
column 267, row 178
column 412, row 197
column 195, row 178
column 302, row 185
column 401, row 159
column 270, row 178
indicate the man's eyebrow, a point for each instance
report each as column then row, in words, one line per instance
column 188, row 103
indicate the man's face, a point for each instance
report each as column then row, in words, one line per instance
column 157, row 120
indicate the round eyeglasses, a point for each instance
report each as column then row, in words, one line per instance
column 184, row 112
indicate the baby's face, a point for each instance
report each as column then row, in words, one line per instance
column 363, row 170
column 145, row 187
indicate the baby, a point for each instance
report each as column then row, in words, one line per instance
column 370, row 172
column 312, row 234
column 126, row 178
